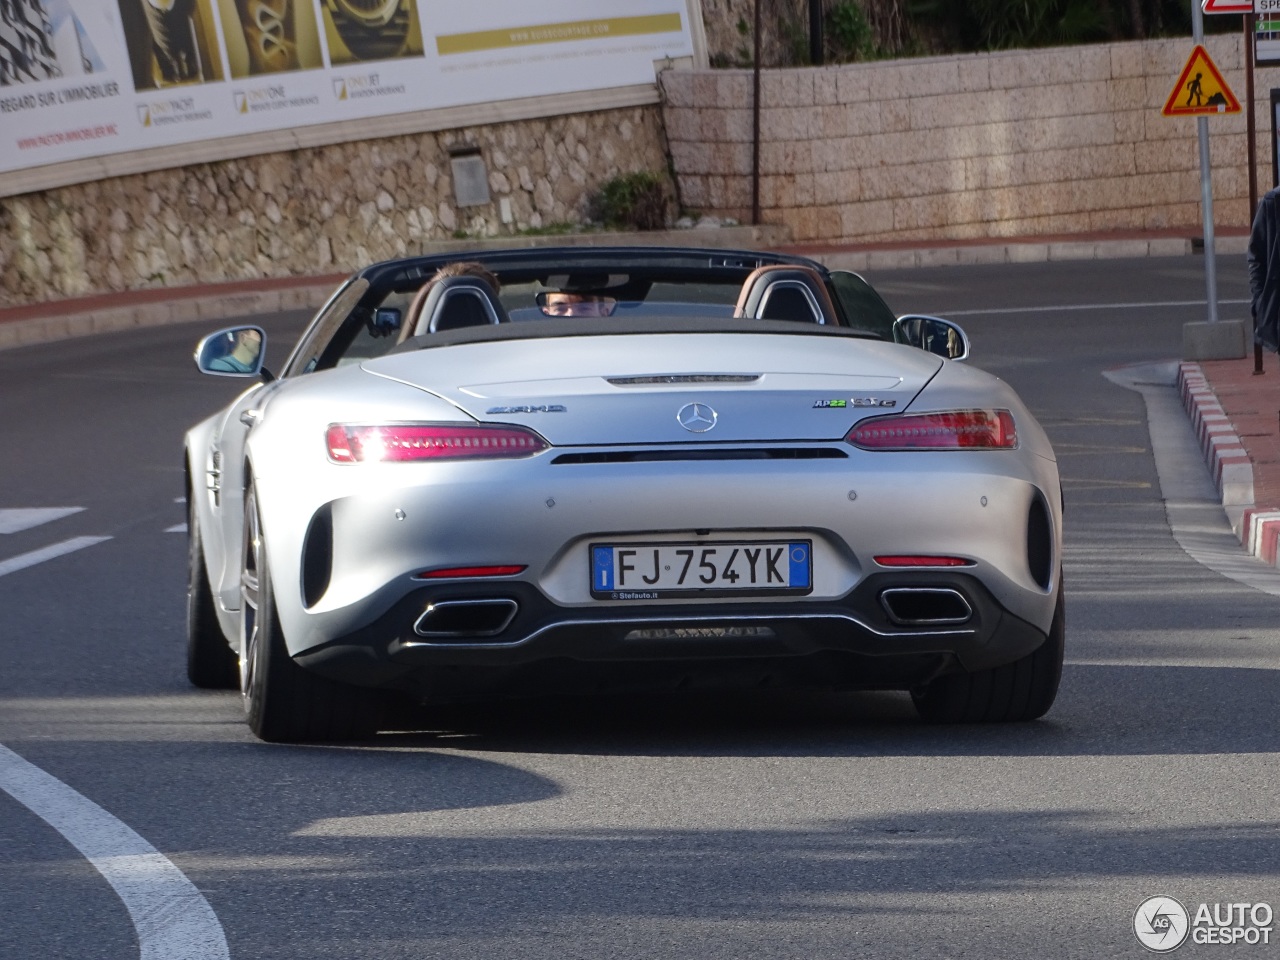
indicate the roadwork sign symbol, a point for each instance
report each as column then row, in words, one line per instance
column 1200, row 89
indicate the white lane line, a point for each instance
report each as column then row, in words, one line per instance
column 24, row 560
column 24, row 518
column 1090, row 306
column 176, row 528
column 173, row 921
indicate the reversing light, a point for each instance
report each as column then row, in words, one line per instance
column 948, row 430
column 409, row 442
column 918, row 560
column 508, row 570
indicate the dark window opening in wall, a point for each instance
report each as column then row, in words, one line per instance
column 470, row 177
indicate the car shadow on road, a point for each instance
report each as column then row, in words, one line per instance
column 1102, row 710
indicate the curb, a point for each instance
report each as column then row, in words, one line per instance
column 1230, row 466
column 969, row 254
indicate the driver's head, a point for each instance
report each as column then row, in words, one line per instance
column 565, row 303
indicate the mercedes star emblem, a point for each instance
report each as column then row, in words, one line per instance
column 696, row 417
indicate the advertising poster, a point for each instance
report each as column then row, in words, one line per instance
column 91, row 78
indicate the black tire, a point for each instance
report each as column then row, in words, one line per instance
column 211, row 661
column 1022, row 690
column 283, row 702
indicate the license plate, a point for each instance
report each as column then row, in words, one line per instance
column 652, row 571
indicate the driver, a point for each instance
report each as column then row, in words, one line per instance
column 574, row 303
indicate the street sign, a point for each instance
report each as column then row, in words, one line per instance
column 1227, row 6
column 1267, row 7
column 1200, row 90
column 1266, row 40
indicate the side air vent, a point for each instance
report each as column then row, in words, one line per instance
column 670, row 456
column 684, row 378
column 1039, row 543
column 317, row 556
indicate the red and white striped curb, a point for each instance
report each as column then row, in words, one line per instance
column 1229, row 463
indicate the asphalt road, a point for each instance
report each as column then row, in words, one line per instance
column 743, row 825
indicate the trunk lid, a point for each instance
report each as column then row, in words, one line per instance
column 749, row 387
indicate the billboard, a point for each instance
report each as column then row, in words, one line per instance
column 92, row 78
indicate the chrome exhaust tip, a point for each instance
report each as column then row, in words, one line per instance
column 925, row 606
column 465, row 619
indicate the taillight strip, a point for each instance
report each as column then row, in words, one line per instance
column 415, row 442
column 942, row 430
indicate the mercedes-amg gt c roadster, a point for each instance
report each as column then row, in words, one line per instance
column 593, row 469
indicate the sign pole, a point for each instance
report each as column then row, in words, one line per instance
column 1250, row 35
column 1206, row 184
column 1250, row 22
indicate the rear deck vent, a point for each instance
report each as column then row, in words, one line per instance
column 669, row 456
column 683, row 378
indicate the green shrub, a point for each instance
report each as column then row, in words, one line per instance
column 849, row 33
column 634, row 201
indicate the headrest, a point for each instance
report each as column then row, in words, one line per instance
column 458, row 302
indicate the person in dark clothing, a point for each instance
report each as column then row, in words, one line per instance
column 246, row 345
column 1264, row 271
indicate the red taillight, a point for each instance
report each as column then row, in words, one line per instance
column 917, row 560
column 509, row 570
column 952, row 430
column 404, row 442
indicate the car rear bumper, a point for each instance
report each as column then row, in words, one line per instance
column 894, row 630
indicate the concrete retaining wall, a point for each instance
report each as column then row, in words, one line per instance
column 1020, row 143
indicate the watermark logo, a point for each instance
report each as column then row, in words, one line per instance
column 1161, row 924
column 1232, row 923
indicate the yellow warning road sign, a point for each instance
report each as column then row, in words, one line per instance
column 1200, row 89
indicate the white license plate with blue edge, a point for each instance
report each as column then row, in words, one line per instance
column 652, row 571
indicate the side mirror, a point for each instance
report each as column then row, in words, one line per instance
column 933, row 334
column 234, row 352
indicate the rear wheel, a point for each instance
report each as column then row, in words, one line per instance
column 283, row 702
column 1022, row 690
column 211, row 663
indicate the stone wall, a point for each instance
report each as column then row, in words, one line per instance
column 997, row 145
column 322, row 210
column 1028, row 143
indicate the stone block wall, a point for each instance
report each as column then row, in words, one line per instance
column 314, row 211
column 1009, row 144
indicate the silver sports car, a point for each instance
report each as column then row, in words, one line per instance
column 551, row 470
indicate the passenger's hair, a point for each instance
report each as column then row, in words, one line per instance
column 467, row 268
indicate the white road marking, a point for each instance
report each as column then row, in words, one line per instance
column 176, row 528
column 24, row 560
column 1090, row 306
column 15, row 520
column 173, row 921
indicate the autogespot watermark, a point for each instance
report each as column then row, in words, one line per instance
column 1162, row 924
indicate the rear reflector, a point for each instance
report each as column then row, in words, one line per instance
column 408, row 442
column 949, row 430
column 913, row 560
column 509, row 570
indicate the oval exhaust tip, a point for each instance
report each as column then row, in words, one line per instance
column 466, row 619
column 925, row 606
